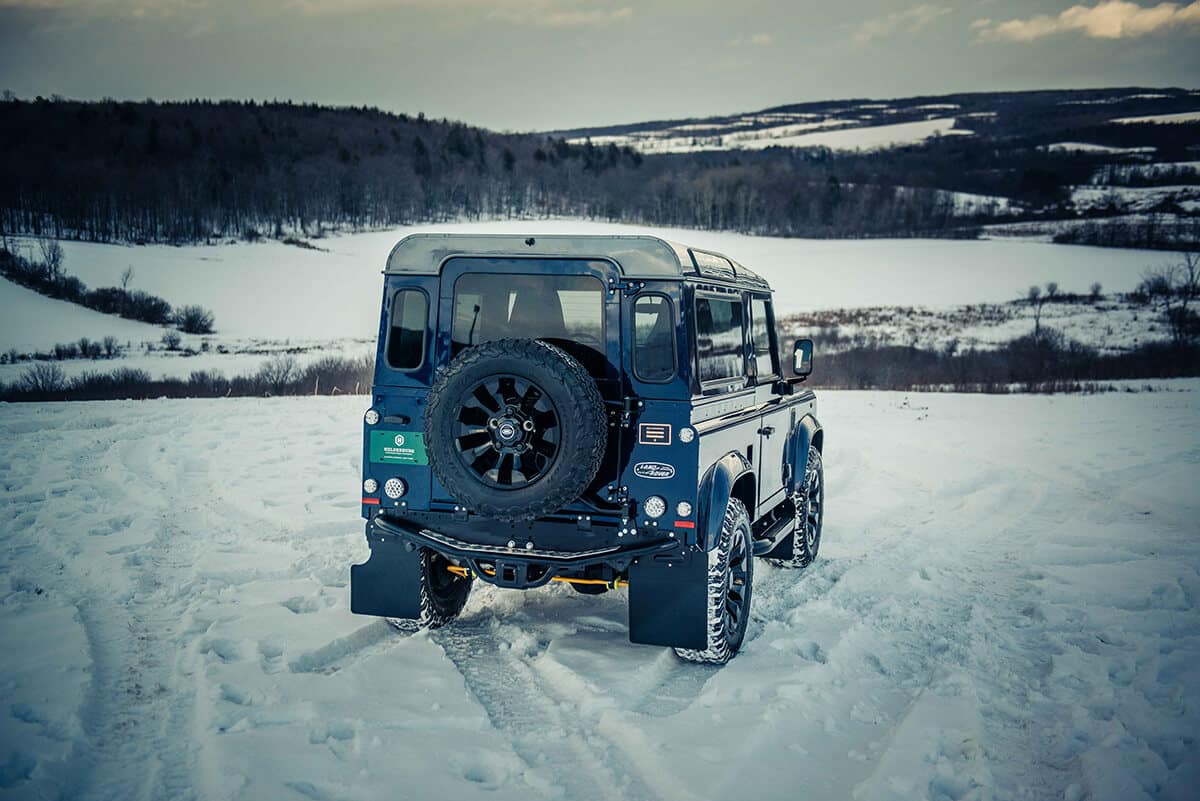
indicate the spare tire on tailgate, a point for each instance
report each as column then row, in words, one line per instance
column 515, row 429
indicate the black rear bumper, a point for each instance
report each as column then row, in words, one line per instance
column 667, row 580
column 517, row 568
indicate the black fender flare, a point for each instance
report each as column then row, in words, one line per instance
column 806, row 432
column 716, row 488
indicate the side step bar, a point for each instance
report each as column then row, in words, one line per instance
column 765, row 542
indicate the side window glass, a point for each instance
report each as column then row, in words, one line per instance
column 406, row 337
column 653, row 338
column 720, row 346
column 760, row 337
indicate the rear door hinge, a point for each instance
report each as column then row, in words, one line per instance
column 624, row 416
column 629, row 288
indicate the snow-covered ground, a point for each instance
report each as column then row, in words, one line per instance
column 1109, row 325
column 1167, row 119
column 270, row 297
column 1088, row 147
column 833, row 133
column 32, row 322
column 1004, row 607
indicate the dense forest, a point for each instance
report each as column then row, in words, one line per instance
column 200, row 171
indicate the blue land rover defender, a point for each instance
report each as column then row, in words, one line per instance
column 606, row 411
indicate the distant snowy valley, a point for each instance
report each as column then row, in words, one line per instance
column 272, row 299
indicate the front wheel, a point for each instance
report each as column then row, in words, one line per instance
column 443, row 594
column 730, row 577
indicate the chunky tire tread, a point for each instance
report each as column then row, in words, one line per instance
column 722, row 643
column 802, row 554
column 581, row 413
column 435, row 612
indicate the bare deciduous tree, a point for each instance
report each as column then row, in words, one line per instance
column 1173, row 288
column 1038, row 298
column 52, row 258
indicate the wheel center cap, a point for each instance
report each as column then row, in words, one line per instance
column 507, row 431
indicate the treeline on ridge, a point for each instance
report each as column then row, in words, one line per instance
column 199, row 171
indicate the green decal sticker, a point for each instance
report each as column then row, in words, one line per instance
column 398, row 447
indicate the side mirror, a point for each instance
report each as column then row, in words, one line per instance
column 802, row 358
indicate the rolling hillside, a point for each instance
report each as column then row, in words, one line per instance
column 954, row 166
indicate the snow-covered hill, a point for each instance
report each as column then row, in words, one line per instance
column 31, row 322
column 270, row 297
column 1004, row 607
column 864, row 125
column 857, row 132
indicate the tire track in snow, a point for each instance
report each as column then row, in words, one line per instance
column 548, row 731
column 142, row 703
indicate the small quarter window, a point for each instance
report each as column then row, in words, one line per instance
column 653, row 339
column 406, row 337
column 760, row 337
column 720, row 344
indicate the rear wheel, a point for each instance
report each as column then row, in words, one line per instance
column 730, row 581
column 809, row 503
column 443, row 594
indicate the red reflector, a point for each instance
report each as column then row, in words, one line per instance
column 684, row 524
column 371, row 501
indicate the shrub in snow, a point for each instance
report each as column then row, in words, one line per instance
column 277, row 373
column 43, row 377
column 194, row 320
column 171, row 340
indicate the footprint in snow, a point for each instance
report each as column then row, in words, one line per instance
column 484, row 768
column 302, row 605
column 224, row 649
column 341, row 731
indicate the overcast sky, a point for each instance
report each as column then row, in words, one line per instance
column 546, row 64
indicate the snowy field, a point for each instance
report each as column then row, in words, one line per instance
column 845, row 135
column 1004, row 608
column 270, row 297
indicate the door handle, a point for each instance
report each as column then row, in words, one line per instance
column 767, row 431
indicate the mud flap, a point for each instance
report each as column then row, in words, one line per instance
column 388, row 584
column 668, row 599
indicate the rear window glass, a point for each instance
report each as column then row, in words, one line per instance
column 653, row 338
column 564, row 310
column 406, row 336
column 719, row 344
